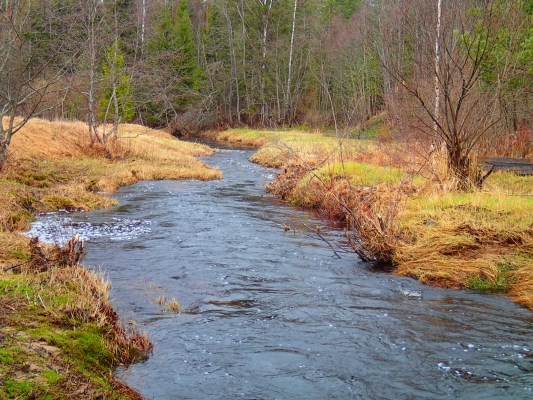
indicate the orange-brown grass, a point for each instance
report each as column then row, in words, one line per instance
column 13, row 247
column 51, row 166
column 522, row 289
column 401, row 206
column 244, row 137
column 281, row 147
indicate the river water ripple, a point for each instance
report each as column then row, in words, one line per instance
column 276, row 315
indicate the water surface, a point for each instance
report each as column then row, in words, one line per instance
column 277, row 315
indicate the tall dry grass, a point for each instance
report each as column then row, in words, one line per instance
column 402, row 206
column 53, row 165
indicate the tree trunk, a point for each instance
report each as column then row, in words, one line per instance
column 288, row 96
column 459, row 167
column 266, row 22
column 93, row 64
column 3, row 153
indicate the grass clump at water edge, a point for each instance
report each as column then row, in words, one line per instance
column 398, row 213
column 59, row 336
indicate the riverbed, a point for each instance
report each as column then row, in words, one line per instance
column 270, row 311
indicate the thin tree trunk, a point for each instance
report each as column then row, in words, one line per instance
column 3, row 153
column 437, row 63
column 117, row 118
column 143, row 23
column 233, row 67
column 263, row 64
column 289, row 75
column 93, row 128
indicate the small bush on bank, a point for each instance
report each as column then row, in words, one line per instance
column 398, row 209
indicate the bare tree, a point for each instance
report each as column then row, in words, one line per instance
column 438, row 62
column 93, row 20
column 31, row 63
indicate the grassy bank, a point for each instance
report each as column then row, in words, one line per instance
column 395, row 212
column 59, row 335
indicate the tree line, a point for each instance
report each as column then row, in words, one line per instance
column 453, row 74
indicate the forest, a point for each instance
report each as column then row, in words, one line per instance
column 378, row 115
column 452, row 74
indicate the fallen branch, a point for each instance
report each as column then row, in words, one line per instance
column 324, row 240
column 16, row 265
column 43, row 258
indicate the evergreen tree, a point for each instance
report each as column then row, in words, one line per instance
column 172, row 71
column 116, row 103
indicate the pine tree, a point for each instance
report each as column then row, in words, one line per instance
column 173, row 75
column 116, row 103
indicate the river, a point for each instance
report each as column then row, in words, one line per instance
column 276, row 314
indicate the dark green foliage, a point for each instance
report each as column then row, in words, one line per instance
column 118, row 84
column 346, row 8
column 172, row 69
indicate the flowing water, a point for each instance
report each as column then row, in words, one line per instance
column 275, row 314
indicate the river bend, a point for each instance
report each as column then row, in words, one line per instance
column 272, row 314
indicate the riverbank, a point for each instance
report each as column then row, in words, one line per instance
column 397, row 214
column 58, row 332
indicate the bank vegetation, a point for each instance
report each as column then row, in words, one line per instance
column 59, row 335
column 400, row 212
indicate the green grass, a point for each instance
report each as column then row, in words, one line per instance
column 359, row 174
column 500, row 284
column 81, row 348
column 16, row 287
column 510, row 183
column 495, row 211
column 87, row 348
column 8, row 355
column 18, row 389
column 52, row 376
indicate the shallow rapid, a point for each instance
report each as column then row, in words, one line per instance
column 275, row 314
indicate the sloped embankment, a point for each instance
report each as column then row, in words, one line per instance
column 397, row 214
column 60, row 337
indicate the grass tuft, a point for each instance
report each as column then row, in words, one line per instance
column 173, row 306
column 401, row 207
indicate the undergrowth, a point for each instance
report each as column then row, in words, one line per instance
column 59, row 336
column 399, row 208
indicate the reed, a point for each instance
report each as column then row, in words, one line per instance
column 173, row 306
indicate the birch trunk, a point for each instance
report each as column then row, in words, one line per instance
column 288, row 92
column 266, row 22
column 437, row 63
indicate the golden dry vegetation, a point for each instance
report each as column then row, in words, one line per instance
column 52, row 166
column 60, row 337
column 396, row 212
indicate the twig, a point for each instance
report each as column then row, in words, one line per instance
column 15, row 266
column 41, row 300
column 130, row 137
column 482, row 179
column 324, row 240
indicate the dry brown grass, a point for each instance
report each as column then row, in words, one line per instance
column 522, row 289
column 173, row 306
column 416, row 219
column 52, row 166
column 448, row 272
